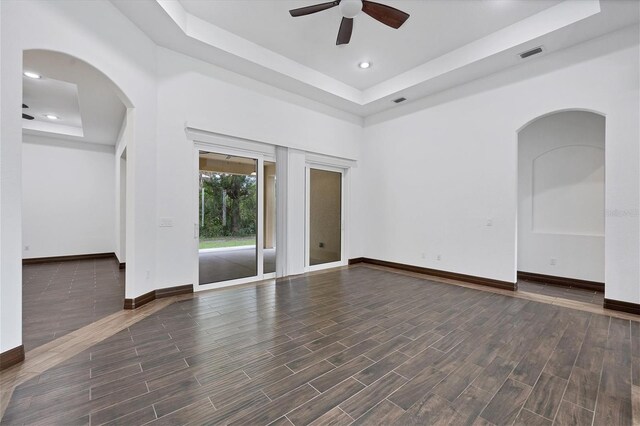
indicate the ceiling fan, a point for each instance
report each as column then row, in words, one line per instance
column 350, row 8
column 26, row 116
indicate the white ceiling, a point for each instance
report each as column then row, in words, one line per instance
column 85, row 99
column 434, row 28
column 444, row 43
column 47, row 96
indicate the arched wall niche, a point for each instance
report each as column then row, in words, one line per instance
column 561, row 195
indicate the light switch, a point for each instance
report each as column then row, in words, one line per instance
column 166, row 222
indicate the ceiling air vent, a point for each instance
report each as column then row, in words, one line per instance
column 531, row 52
column 399, row 100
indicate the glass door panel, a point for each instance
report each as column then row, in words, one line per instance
column 269, row 227
column 325, row 217
column 228, row 216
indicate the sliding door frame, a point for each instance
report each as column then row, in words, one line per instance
column 343, row 215
column 261, row 154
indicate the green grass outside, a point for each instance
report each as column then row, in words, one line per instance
column 227, row 242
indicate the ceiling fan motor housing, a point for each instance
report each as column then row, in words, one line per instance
column 350, row 8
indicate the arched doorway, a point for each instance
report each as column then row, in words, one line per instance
column 75, row 130
column 561, row 204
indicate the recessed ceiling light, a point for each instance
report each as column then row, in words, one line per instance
column 52, row 117
column 31, row 74
column 364, row 65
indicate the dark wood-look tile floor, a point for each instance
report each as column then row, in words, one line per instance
column 570, row 293
column 61, row 297
column 357, row 345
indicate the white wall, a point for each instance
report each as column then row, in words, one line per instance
column 68, row 196
column 125, row 136
column 84, row 30
column 159, row 158
column 194, row 93
column 10, row 184
column 426, row 182
column 436, row 176
column 561, row 185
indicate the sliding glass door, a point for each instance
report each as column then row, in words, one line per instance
column 236, row 218
column 324, row 218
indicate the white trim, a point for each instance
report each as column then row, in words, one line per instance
column 330, row 161
column 323, row 266
column 344, row 175
column 222, row 141
column 282, row 188
column 226, row 145
column 199, row 135
column 223, row 284
column 307, row 218
column 260, row 218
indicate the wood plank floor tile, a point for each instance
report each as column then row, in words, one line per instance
column 420, row 343
column 495, row 374
column 529, row 418
column 455, row 383
column 369, row 397
column 582, row 389
column 506, row 403
column 571, row 414
column 282, row 421
column 385, row 413
column 417, row 387
column 381, row 368
column 335, row 376
column 355, row 350
column 386, row 348
column 316, row 407
column 331, row 347
column 431, row 409
column 470, row 404
column 419, row 362
column 248, row 403
column 278, row 407
column 546, row 396
column 139, row 417
column 314, row 357
column 199, row 411
column 293, row 381
column 333, row 417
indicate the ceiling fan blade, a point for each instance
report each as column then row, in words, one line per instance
column 27, row 117
column 344, row 33
column 386, row 14
column 308, row 10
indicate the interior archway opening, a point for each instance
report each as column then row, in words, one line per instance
column 75, row 132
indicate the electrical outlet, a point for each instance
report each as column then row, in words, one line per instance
column 26, row 248
column 148, row 274
column 424, row 256
column 439, row 257
column 321, row 245
column 489, row 222
column 553, row 262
